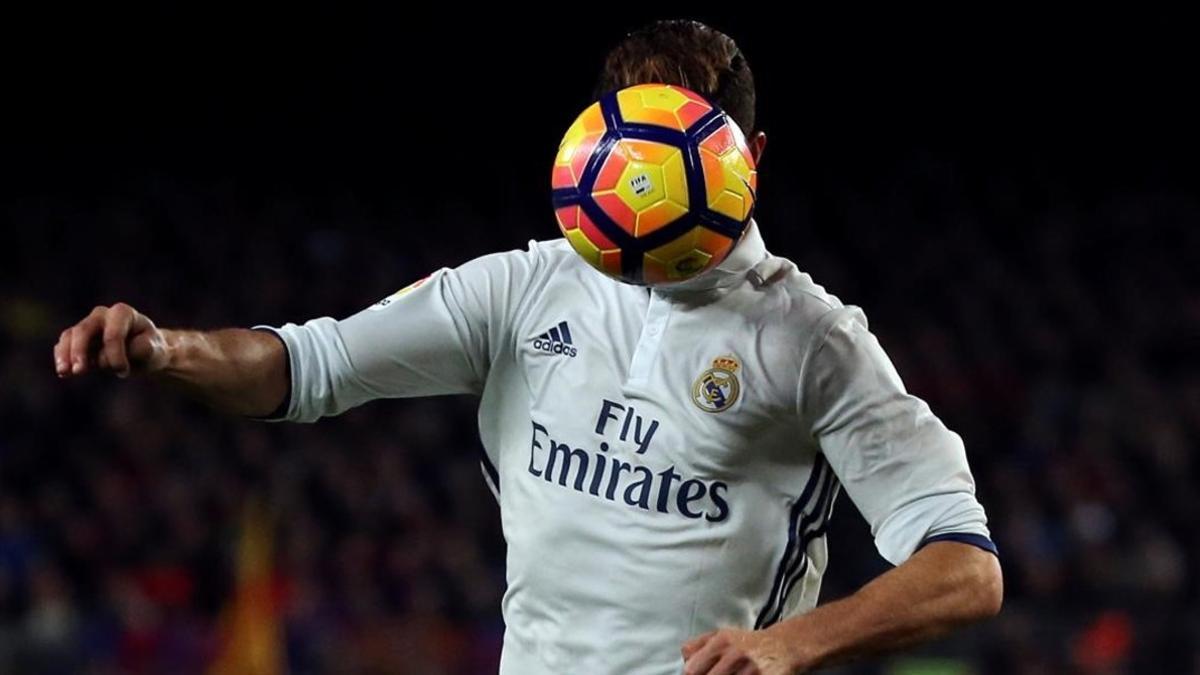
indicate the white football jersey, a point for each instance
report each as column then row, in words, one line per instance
column 666, row 460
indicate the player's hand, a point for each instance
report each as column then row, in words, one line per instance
column 731, row 651
column 116, row 339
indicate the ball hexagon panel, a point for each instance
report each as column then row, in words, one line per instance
column 642, row 185
column 661, row 105
column 658, row 216
column 730, row 179
column 577, row 146
column 587, row 239
column 685, row 256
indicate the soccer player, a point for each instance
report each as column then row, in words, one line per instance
column 665, row 459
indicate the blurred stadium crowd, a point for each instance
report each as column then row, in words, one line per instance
column 1053, row 327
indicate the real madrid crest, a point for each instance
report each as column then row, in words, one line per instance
column 717, row 388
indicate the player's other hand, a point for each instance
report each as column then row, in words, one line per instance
column 116, row 339
column 731, row 651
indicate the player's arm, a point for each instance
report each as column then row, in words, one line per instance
column 943, row 586
column 437, row 336
column 908, row 475
column 239, row 371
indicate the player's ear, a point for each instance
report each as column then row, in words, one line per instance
column 757, row 143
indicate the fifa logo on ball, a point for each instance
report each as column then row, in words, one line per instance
column 653, row 184
column 640, row 184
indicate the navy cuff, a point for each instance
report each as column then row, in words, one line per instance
column 976, row 540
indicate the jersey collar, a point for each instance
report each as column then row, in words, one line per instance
column 743, row 262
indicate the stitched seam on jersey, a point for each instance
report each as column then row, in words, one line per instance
column 698, row 598
column 525, row 297
column 831, row 317
column 461, row 325
column 823, row 299
column 815, row 477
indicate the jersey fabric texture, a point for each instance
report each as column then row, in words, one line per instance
column 666, row 460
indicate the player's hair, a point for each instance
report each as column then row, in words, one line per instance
column 688, row 54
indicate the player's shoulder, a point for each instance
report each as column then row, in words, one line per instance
column 541, row 254
column 554, row 252
column 801, row 287
column 539, row 260
column 552, row 261
column 797, row 297
column 799, row 311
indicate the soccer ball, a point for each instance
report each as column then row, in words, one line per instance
column 653, row 184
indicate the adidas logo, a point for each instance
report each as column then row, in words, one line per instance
column 557, row 340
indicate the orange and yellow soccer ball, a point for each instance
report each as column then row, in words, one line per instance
column 653, row 184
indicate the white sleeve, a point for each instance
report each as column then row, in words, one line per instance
column 904, row 470
column 437, row 336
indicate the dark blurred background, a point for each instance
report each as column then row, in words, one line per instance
column 1011, row 198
